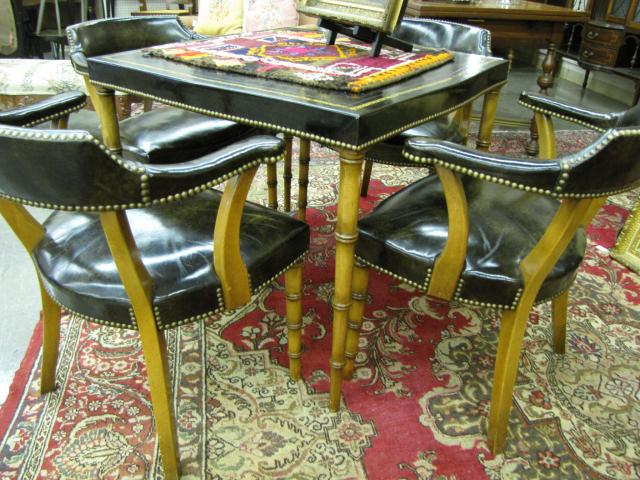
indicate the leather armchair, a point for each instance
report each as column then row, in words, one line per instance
column 496, row 231
column 144, row 246
column 158, row 135
column 438, row 34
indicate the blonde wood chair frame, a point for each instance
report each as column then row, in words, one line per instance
column 535, row 267
column 228, row 263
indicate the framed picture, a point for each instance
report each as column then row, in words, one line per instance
column 379, row 15
column 627, row 249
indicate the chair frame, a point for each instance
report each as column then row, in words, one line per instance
column 535, row 267
column 228, row 265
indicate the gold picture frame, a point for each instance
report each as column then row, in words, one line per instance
column 378, row 15
column 627, row 248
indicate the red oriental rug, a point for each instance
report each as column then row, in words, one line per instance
column 417, row 408
column 302, row 56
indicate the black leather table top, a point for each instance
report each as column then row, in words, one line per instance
column 338, row 119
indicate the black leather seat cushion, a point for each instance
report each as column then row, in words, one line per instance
column 390, row 151
column 175, row 241
column 167, row 135
column 407, row 231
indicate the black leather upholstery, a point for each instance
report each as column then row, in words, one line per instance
column 99, row 37
column 47, row 109
column 578, row 114
column 157, row 135
column 440, row 34
column 510, row 204
column 406, row 232
column 172, row 215
column 572, row 113
column 70, row 170
column 175, row 242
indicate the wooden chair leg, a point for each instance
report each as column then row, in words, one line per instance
column 138, row 285
column 512, row 330
column 559, row 315
column 147, row 104
column 303, row 178
column 272, row 185
column 286, row 177
column 366, row 176
column 154, row 351
column 359, row 285
column 293, row 289
column 50, row 341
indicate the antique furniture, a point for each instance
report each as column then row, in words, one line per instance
column 627, row 248
column 439, row 34
column 521, row 23
column 348, row 122
column 155, row 133
column 610, row 41
column 144, row 246
column 495, row 231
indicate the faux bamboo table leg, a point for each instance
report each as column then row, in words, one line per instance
column 487, row 118
column 346, row 236
column 303, row 178
column 106, row 109
column 288, row 140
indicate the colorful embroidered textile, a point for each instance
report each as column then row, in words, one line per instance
column 302, row 56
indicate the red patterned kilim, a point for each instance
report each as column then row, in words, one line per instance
column 302, row 56
column 416, row 409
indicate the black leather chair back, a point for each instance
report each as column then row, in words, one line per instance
column 110, row 35
column 65, row 170
column 440, row 34
column 611, row 164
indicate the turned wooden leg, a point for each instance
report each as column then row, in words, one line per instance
column 545, row 82
column 463, row 119
column 50, row 341
column 293, row 289
column 489, row 106
column 303, row 178
column 106, row 107
column 359, row 285
column 272, row 185
column 559, row 306
column 346, row 236
column 366, row 177
column 288, row 141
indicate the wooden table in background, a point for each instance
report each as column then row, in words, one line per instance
column 515, row 23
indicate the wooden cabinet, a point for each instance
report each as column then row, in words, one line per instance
column 609, row 38
column 601, row 43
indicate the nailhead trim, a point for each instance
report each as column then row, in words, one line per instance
column 565, row 164
column 424, row 288
column 55, row 116
column 394, row 164
column 561, row 116
column 267, row 282
column 134, row 325
column 291, row 131
column 134, row 167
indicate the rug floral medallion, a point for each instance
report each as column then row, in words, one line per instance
column 417, row 407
